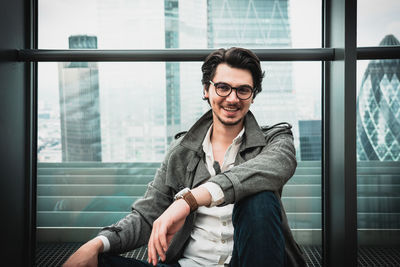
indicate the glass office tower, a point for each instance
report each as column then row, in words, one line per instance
column 378, row 109
column 258, row 24
column 79, row 105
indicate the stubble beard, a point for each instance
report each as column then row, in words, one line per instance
column 226, row 123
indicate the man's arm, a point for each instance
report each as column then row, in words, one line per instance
column 268, row 171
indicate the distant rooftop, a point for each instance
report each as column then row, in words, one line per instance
column 389, row 40
column 82, row 42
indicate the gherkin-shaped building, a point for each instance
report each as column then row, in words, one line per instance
column 378, row 109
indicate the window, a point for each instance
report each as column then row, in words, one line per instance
column 104, row 126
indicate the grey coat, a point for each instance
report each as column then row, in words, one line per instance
column 265, row 162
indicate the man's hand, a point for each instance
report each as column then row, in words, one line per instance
column 170, row 222
column 86, row 255
column 164, row 228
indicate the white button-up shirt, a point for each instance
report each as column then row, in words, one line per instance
column 211, row 240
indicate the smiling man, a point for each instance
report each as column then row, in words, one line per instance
column 215, row 200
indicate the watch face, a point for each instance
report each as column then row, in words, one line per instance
column 181, row 193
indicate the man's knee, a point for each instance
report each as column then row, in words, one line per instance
column 258, row 235
column 260, row 207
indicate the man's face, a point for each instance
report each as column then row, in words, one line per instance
column 229, row 110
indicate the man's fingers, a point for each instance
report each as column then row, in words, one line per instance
column 153, row 257
column 160, row 234
column 150, row 249
column 163, row 240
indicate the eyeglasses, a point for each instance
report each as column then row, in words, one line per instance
column 243, row 92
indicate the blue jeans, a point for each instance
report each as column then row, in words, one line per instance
column 258, row 237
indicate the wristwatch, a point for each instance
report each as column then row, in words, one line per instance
column 187, row 195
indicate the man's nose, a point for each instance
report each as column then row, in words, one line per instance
column 232, row 97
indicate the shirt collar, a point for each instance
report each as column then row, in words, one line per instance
column 239, row 137
column 207, row 139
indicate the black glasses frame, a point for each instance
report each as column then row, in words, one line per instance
column 231, row 87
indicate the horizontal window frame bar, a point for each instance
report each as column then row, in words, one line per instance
column 166, row 55
column 378, row 52
column 163, row 55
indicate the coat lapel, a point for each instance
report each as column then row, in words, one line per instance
column 201, row 174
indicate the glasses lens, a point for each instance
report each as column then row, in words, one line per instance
column 222, row 89
column 244, row 92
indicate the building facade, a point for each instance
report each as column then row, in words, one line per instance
column 80, row 106
column 378, row 109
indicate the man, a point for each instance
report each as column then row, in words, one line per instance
column 215, row 200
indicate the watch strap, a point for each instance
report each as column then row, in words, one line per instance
column 191, row 200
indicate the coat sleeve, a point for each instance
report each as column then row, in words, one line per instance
column 268, row 171
column 134, row 230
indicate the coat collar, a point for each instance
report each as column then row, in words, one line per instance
column 253, row 135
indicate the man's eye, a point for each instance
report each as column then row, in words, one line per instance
column 224, row 87
column 244, row 90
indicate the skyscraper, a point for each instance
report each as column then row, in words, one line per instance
column 79, row 105
column 378, row 109
column 258, row 24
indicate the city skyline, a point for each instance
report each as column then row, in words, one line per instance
column 117, row 124
column 304, row 92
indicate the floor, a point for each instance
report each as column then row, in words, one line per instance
column 55, row 254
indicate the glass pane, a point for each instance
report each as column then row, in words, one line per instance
column 378, row 160
column 158, row 24
column 104, row 129
column 377, row 19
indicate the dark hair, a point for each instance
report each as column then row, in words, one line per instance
column 235, row 57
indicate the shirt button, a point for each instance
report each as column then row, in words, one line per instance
column 224, row 223
column 223, row 241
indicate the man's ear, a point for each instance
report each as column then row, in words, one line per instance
column 205, row 92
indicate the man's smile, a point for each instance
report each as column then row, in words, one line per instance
column 231, row 109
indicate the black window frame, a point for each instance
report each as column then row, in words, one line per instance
column 338, row 55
